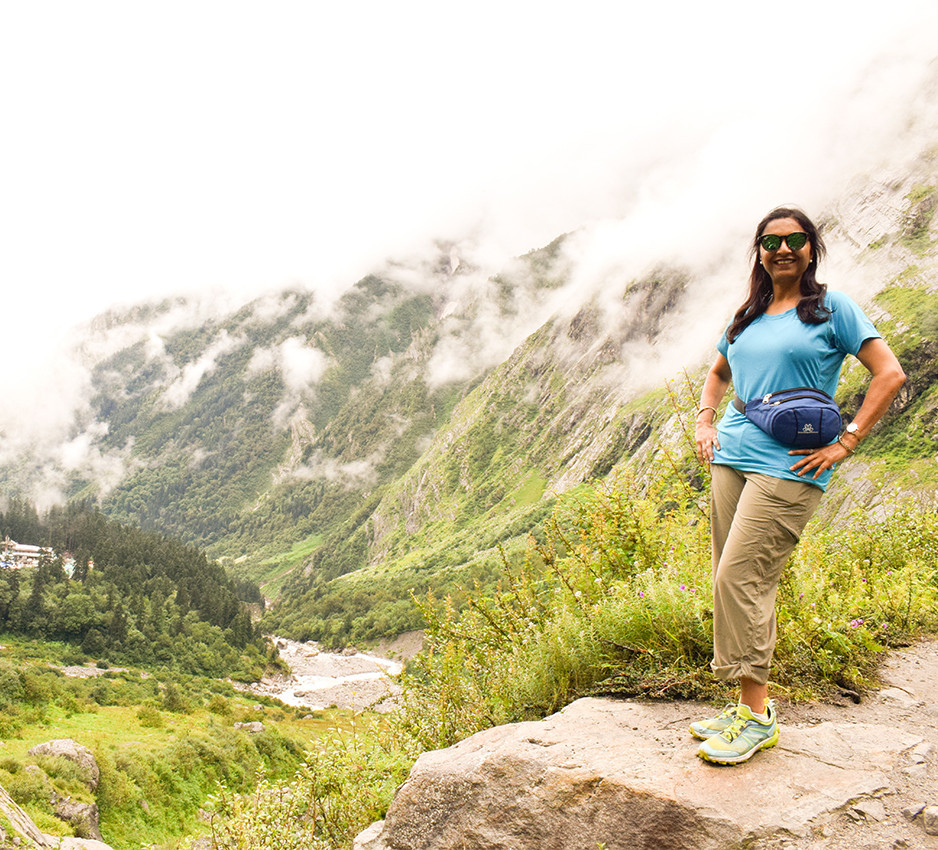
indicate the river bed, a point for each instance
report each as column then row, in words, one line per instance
column 319, row 679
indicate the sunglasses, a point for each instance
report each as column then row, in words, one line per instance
column 795, row 241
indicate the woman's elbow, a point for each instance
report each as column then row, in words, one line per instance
column 892, row 378
column 898, row 377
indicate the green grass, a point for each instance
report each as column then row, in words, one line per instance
column 530, row 491
column 274, row 570
column 162, row 741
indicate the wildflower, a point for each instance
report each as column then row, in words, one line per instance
column 641, row 594
column 855, row 624
column 577, row 594
column 683, row 587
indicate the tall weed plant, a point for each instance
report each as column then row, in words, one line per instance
column 616, row 589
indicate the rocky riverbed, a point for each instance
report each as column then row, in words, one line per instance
column 349, row 679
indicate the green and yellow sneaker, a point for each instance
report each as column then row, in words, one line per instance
column 704, row 729
column 742, row 739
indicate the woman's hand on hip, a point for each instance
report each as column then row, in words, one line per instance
column 706, row 438
column 820, row 460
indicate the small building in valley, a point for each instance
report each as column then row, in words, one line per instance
column 15, row 555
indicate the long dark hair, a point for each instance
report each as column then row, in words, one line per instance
column 811, row 309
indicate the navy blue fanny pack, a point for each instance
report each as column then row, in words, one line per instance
column 802, row 417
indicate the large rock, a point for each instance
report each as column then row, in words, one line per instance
column 625, row 775
column 73, row 751
column 83, row 817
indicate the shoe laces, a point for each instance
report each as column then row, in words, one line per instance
column 735, row 729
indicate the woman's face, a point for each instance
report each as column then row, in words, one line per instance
column 784, row 265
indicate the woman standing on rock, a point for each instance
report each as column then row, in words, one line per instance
column 791, row 332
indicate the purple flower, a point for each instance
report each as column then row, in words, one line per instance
column 683, row 587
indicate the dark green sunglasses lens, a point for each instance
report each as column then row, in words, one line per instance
column 771, row 242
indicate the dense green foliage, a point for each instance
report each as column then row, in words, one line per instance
column 345, row 782
column 132, row 597
column 162, row 743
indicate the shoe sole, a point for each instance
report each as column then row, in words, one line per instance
column 768, row 743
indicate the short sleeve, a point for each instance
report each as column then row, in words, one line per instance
column 851, row 326
column 723, row 346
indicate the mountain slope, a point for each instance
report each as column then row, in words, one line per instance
column 347, row 451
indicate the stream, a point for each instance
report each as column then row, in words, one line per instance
column 319, row 679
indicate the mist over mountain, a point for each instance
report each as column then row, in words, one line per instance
column 413, row 421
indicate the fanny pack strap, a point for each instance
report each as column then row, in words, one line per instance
column 739, row 404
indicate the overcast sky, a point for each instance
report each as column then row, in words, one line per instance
column 163, row 147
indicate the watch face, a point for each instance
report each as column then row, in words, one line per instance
column 852, row 428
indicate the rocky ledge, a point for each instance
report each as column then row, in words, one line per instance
column 623, row 775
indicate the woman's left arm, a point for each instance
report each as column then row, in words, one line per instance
column 887, row 379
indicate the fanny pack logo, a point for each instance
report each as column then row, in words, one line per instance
column 807, row 428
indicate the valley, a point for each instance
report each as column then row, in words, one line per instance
column 480, row 474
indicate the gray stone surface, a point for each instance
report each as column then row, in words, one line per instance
column 73, row 751
column 83, row 817
column 612, row 772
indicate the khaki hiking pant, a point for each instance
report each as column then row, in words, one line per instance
column 756, row 522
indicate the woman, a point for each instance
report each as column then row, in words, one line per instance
column 790, row 332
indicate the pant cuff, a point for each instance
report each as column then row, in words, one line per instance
column 734, row 672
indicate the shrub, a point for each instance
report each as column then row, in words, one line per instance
column 31, row 787
column 150, row 717
column 219, row 705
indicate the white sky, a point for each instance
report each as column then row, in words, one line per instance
column 162, row 147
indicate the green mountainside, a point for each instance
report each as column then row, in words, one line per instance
column 410, row 434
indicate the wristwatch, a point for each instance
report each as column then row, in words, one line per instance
column 854, row 429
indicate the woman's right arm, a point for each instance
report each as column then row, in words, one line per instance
column 714, row 388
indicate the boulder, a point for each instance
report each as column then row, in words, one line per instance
column 82, row 816
column 624, row 775
column 73, row 751
column 253, row 726
column 70, row 843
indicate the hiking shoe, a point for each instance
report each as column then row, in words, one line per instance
column 704, row 729
column 742, row 739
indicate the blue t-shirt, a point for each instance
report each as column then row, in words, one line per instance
column 776, row 353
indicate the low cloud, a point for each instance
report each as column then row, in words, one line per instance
column 357, row 473
column 189, row 377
